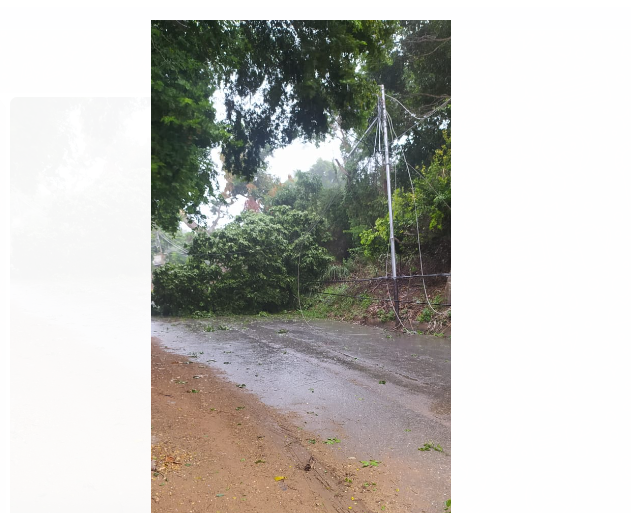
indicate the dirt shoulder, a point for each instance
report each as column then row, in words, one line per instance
column 217, row 448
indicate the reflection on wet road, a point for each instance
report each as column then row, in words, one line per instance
column 329, row 373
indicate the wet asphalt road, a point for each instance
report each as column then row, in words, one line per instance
column 328, row 373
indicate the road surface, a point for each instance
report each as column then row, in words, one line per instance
column 384, row 395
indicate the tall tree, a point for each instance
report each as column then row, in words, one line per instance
column 282, row 80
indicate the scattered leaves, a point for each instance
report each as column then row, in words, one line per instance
column 428, row 446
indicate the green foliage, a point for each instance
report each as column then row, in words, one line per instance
column 364, row 199
column 432, row 199
column 330, row 302
column 183, row 126
column 366, row 301
column 302, row 194
column 428, row 446
column 304, row 71
column 249, row 266
column 386, row 315
column 201, row 315
column 301, row 74
column 419, row 75
column 336, row 272
column 425, row 315
column 183, row 288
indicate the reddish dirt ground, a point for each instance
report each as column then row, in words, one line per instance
column 217, row 448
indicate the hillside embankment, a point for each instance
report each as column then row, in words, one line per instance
column 355, row 295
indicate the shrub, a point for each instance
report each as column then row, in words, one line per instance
column 425, row 315
column 249, row 266
column 385, row 316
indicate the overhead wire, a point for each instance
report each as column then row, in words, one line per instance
column 420, row 118
column 378, row 299
column 175, row 245
column 418, row 232
column 362, row 137
column 178, row 249
column 383, row 278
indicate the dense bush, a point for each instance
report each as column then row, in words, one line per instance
column 251, row 265
column 183, row 288
column 430, row 201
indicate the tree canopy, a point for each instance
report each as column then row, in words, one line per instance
column 281, row 80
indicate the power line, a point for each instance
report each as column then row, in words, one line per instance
column 362, row 137
column 364, row 298
column 420, row 118
column 382, row 278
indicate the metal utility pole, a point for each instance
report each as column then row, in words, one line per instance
column 385, row 143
